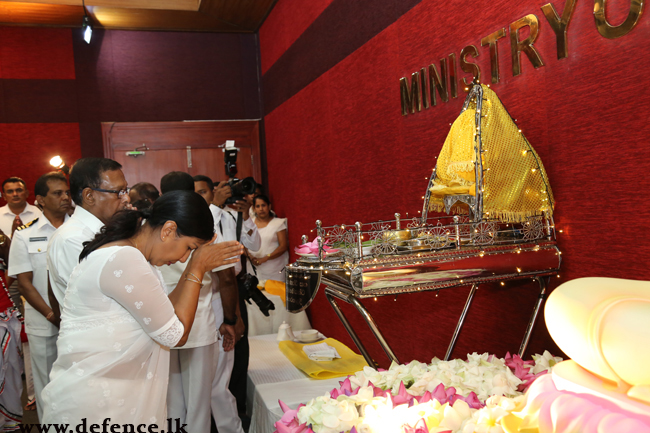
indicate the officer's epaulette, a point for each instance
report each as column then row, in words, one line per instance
column 24, row 226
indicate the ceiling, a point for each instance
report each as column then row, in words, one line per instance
column 232, row 16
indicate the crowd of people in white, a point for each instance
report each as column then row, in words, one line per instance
column 131, row 298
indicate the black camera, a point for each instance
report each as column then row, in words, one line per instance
column 248, row 290
column 240, row 188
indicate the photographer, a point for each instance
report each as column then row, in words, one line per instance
column 234, row 223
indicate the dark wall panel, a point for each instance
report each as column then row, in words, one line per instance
column 156, row 76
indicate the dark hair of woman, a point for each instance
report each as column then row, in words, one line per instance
column 187, row 209
column 262, row 197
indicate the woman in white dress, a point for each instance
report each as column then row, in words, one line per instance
column 273, row 256
column 117, row 323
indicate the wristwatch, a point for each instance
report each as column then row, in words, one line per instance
column 232, row 322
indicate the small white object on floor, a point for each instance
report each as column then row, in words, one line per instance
column 321, row 352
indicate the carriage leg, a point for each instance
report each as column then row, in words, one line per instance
column 459, row 325
column 348, row 328
column 543, row 284
column 374, row 328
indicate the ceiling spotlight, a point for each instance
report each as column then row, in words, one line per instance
column 87, row 28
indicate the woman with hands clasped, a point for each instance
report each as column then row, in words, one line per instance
column 117, row 323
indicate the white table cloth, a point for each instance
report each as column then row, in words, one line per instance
column 272, row 377
column 259, row 324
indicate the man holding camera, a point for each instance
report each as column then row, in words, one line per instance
column 235, row 224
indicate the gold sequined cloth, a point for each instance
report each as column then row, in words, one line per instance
column 515, row 184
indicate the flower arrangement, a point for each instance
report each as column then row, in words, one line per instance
column 444, row 396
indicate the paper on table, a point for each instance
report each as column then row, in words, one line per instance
column 321, row 352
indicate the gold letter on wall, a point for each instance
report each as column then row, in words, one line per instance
column 491, row 40
column 560, row 25
column 612, row 32
column 410, row 96
column 516, row 47
column 453, row 84
column 436, row 81
column 469, row 67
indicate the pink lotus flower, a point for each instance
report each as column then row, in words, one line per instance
column 289, row 421
column 345, row 389
column 402, row 396
column 420, row 427
column 523, row 370
column 312, row 248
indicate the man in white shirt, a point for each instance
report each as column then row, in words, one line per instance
column 193, row 365
column 17, row 211
column 224, row 404
column 28, row 264
column 98, row 187
column 14, row 214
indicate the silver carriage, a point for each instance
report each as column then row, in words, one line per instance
column 426, row 253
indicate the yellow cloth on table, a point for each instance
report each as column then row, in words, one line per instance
column 277, row 288
column 515, row 185
column 349, row 363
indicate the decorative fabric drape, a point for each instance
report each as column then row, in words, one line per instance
column 515, row 184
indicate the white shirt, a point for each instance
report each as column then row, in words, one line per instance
column 204, row 329
column 66, row 245
column 7, row 217
column 28, row 253
column 250, row 237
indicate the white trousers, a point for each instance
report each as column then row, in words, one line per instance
column 43, row 354
column 224, row 404
column 29, row 380
column 190, row 374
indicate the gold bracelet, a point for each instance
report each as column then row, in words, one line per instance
column 195, row 280
column 49, row 316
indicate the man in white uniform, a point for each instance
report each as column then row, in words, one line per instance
column 28, row 264
column 98, row 187
column 13, row 215
column 224, row 405
column 17, row 211
column 193, row 365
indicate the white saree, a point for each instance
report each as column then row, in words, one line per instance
column 117, row 325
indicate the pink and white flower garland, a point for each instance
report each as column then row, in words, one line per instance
column 444, row 396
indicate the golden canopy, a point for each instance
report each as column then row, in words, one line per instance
column 515, row 185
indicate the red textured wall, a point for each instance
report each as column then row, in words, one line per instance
column 36, row 79
column 340, row 151
column 276, row 36
column 27, row 149
column 36, row 53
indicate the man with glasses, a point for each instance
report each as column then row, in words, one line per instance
column 99, row 189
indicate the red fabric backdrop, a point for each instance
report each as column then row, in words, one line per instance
column 282, row 35
column 35, row 65
column 340, row 151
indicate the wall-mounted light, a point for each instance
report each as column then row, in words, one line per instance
column 86, row 26
column 57, row 162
